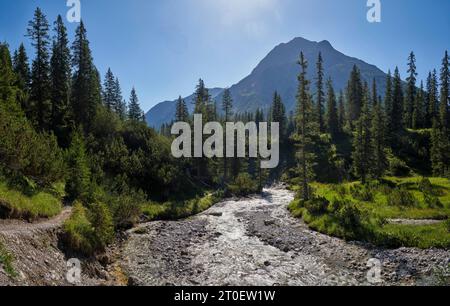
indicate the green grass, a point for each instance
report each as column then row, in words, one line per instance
column 6, row 260
column 374, row 213
column 15, row 204
column 174, row 210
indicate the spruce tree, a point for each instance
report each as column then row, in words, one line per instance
column 445, row 93
column 342, row 113
column 377, row 134
column 388, row 101
column 182, row 112
column 362, row 143
column 396, row 122
column 227, row 108
column 409, row 103
column 354, row 95
column 78, row 180
column 135, row 112
column 22, row 68
column 419, row 109
column 320, row 94
column 109, row 90
column 332, row 113
column 60, row 80
column 120, row 105
column 278, row 114
column 374, row 93
column 440, row 149
column 305, row 131
column 432, row 98
column 86, row 89
column 40, row 106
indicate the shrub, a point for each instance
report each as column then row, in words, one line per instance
column 89, row 230
column 337, row 204
column 78, row 180
column 425, row 186
column 317, row 206
column 126, row 209
column 398, row 167
column 402, row 198
column 6, row 260
column 362, row 193
column 447, row 224
column 78, row 231
column 243, row 185
column 350, row 217
column 432, row 201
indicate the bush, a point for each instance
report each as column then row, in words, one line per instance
column 447, row 224
column 89, row 230
column 401, row 197
column 337, row 204
column 398, row 167
column 317, row 206
column 243, row 185
column 432, row 201
column 350, row 217
column 78, row 180
column 425, row 186
column 6, row 260
column 362, row 193
column 126, row 209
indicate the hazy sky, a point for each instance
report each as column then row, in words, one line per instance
column 164, row 46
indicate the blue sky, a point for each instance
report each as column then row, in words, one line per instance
column 164, row 46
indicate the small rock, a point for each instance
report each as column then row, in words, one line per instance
column 269, row 222
column 267, row 263
column 216, row 214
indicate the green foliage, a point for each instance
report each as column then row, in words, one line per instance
column 6, row 260
column 317, row 205
column 78, row 179
column 89, row 230
column 243, row 185
column 401, row 197
column 398, row 167
column 362, row 192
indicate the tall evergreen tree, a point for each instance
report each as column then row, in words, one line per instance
column 332, row 113
column 40, row 108
column 135, row 112
column 320, row 94
column 408, row 105
column 305, row 131
column 342, row 114
column 22, row 68
column 396, row 122
column 120, row 105
column 377, row 134
column 181, row 112
column 419, row 109
column 60, row 80
column 86, row 90
column 354, row 95
column 278, row 114
column 432, row 98
column 78, row 180
column 109, row 90
column 388, row 101
column 440, row 148
column 227, row 108
column 374, row 93
column 362, row 144
column 445, row 93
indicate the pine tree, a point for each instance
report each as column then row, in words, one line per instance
column 362, row 144
column 432, row 98
column 305, row 131
column 378, row 142
column 22, row 68
column 440, row 149
column 320, row 93
column 342, row 114
column 182, row 112
column 109, row 90
column 78, row 180
column 278, row 114
column 388, row 101
column 445, row 93
column 374, row 93
column 354, row 95
column 332, row 113
column 227, row 108
column 120, row 105
column 60, row 80
column 40, row 108
column 408, row 107
column 8, row 91
column 135, row 112
column 419, row 109
column 396, row 122
column 86, row 88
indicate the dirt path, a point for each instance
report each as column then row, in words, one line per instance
column 11, row 227
column 256, row 242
